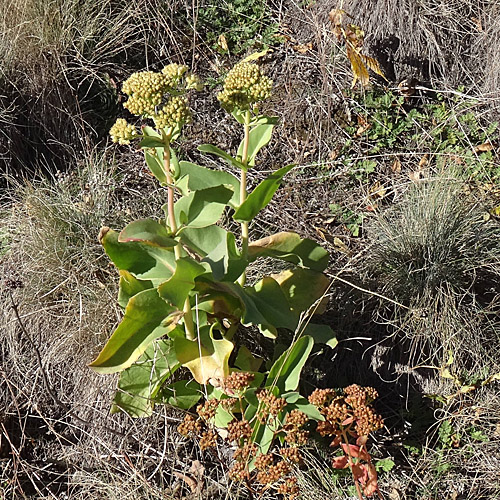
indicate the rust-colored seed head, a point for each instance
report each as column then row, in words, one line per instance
column 237, row 381
column 295, row 419
column 263, row 462
column 245, row 453
column 207, row 410
column 270, row 402
column 321, row 397
column 208, row 440
column 292, row 455
column 238, row 472
column 238, row 429
column 297, row 437
column 289, row 488
column 189, row 426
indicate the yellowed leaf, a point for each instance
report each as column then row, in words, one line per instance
column 363, row 125
column 495, row 211
column 492, row 378
column 415, row 176
column 359, row 70
column 222, row 42
column 340, row 245
column 377, row 190
column 255, row 55
column 424, row 161
column 372, row 64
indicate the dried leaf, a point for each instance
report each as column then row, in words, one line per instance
column 255, row 56
column 192, row 484
column 340, row 245
column 372, row 64
column 303, row 48
column 482, row 148
column 495, row 211
column 370, row 487
column 396, row 166
column 359, row 70
column 222, row 42
column 377, row 190
column 424, row 161
column 363, row 125
column 340, row 462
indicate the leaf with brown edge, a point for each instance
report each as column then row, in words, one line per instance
column 358, row 68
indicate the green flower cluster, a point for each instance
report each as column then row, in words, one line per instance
column 244, row 86
column 122, row 132
column 159, row 96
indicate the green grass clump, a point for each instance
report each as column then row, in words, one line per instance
column 436, row 253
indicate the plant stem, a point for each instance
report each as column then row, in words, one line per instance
column 243, row 192
column 188, row 315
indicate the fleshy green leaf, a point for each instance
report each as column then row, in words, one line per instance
column 260, row 196
column 207, row 358
column 130, row 286
column 183, row 394
column 202, row 178
column 260, row 135
column 202, row 208
column 225, row 260
column 291, row 248
column 147, row 231
column 145, row 262
column 322, row 334
column 297, row 402
column 176, row 289
column 302, row 287
column 146, row 319
column 151, row 142
column 285, row 372
column 246, row 361
column 139, row 384
column 155, row 164
column 208, row 148
column 203, row 240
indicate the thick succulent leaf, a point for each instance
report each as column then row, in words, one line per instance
column 145, row 262
column 203, row 240
column 201, row 178
column 297, row 402
column 147, row 231
column 202, row 208
column 130, row 286
column 291, row 248
column 285, row 372
column 246, row 361
column 147, row 317
column 151, row 142
column 206, row 358
column 302, row 287
column 183, row 394
column 322, row 334
column 260, row 196
column 176, row 289
column 155, row 164
column 225, row 260
column 260, row 135
column 139, row 384
column 208, row 148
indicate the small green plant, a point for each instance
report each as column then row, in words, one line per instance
column 234, row 26
column 353, row 221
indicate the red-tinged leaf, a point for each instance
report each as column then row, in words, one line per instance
column 371, row 485
column 340, row 462
column 347, row 421
column 336, row 441
column 360, row 473
column 356, row 451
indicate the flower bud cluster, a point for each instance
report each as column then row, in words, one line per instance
column 244, row 86
column 190, row 426
column 208, row 440
column 122, row 132
column 207, row 410
column 292, row 455
column 160, row 96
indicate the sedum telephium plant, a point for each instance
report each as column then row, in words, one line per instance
column 183, row 282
